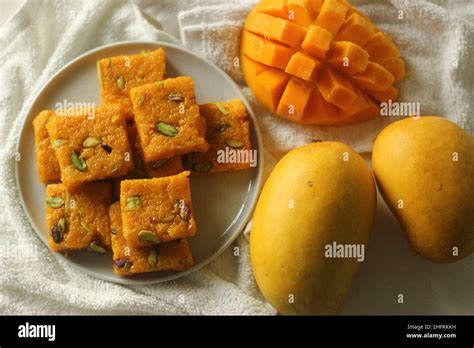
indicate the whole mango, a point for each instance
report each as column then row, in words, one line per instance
column 319, row 198
column 425, row 171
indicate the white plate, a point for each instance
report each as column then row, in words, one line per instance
column 222, row 202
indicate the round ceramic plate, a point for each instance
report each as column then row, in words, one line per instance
column 222, row 202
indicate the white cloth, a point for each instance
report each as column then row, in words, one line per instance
column 437, row 45
column 45, row 35
column 41, row 38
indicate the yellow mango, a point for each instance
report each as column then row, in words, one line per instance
column 317, row 195
column 425, row 172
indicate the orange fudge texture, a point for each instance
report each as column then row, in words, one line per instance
column 156, row 169
column 78, row 219
column 168, row 120
column 174, row 255
column 227, row 127
column 118, row 75
column 91, row 147
column 295, row 51
column 157, row 210
column 46, row 163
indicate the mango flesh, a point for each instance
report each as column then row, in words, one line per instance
column 316, row 195
column 296, row 43
column 425, row 171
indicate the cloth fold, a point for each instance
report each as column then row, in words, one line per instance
column 37, row 41
column 438, row 77
column 44, row 35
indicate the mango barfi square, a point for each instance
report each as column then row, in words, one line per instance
column 171, row 256
column 78, row 219
column 168, row 120
column 118, row 75
column 164, row 167
column 46, row 163
column 91, row 147
column 155, row 169
column 142, row 170
column 228, row 136
column 157, row 210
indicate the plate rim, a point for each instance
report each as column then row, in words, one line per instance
column 239, row 228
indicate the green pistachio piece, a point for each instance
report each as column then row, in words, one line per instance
column 202, row 168
column 62, row 225
column 222, row 128
column 97, row 248
column 78, row 162
column 148, row 237
column 176, row 97
column 85, row 227
column 166, row 129
column 152, row 258
column 121, row 82
column 54, row 202
column 234, row 143
column 160, row 163
column 133, row 202
column 92, row 142
column 222, row 108
column 57, row 143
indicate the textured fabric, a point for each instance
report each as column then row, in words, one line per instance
column 438, row 71
column 44, row 35
column 40, row 39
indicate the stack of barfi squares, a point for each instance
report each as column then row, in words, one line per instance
column 115, row 175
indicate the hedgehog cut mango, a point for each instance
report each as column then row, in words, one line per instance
column 319, row 62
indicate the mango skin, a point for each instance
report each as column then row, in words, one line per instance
column 333, row 200
column 413, row 161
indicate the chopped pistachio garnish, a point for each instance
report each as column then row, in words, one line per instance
column 166, row 129
column 222, row 108
column 78, row 162
column 202, row 168
column 152, row 258
column 57, row 143
column 148, row 237
column 222, row 128
column 234, row 143
column 121, row 82
column 176, row 97
column 54, row 202
column 92, row 142
column 160, row 163
column 133, row 202
column 97, row 248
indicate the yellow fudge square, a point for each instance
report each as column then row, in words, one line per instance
column 46, row 163
column 168, row 120
column 118, row 75
column 164, row 167
column 157, row 210
column 156, row 169
column 227, row 133
column 78, row 219
column 170, row 256
column 91, row 147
